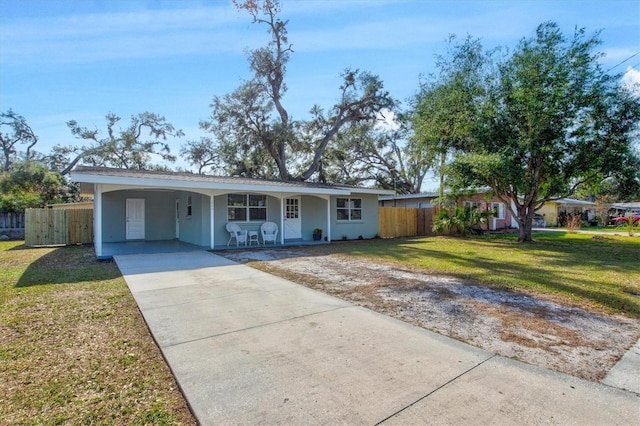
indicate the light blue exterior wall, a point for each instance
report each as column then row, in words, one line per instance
column 160, row 220
column 159, row 215
column 220, row 218
column 367, row 227
column 314, row 215
column 194, row 229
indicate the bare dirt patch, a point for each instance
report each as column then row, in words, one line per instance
column 534, row 329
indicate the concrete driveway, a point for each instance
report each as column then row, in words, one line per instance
column 247, row 347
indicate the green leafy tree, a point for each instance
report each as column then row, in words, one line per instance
column 446, row 107
column 15, row 132
column 31, row 185
column 375, row 154
column 132, row 147
column 201, row 153
column 552, row 122
column 255, row 133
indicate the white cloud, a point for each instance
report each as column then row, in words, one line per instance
column 631, row 80
column 108, row 36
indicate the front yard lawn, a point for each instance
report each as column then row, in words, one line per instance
column 74, row 348
column 599, row 271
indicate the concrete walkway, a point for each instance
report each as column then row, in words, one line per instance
column 247, row 347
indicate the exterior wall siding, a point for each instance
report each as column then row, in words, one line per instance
column 221, row 236
column 367, row 227
column 193, row 229
column 314, row 215
column 159, row 215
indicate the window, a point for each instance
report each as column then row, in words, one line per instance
column 472, row 205
column 349, row 209
column 498, row 209
column 246, row 208
column 189, row 206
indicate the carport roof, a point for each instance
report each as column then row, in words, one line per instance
column 163, row 179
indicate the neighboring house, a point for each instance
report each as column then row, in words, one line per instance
column 551, row 211
column 79, row 205
column 423, row 200
column 626, row 209
column 132, row 205
column 503, row 218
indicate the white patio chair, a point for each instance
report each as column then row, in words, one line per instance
column 269, row 231
column 238, row 233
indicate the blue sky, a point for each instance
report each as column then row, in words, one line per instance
column 81, row 59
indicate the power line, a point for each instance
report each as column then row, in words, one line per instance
column 617, row 65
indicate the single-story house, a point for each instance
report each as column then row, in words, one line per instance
column 132, row 205
column 551, row 211
column 626, row 208
column 503, row 218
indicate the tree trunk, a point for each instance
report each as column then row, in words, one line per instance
column 525, row 223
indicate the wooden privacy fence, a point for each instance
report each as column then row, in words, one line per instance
column 12, row 225
column 405, row 222
column 44, row 227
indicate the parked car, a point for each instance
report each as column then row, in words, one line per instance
column 624, row 220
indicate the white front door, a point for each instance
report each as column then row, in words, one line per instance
column 292, row 218
column 135, row 219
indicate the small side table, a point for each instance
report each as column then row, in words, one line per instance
column 253, row 237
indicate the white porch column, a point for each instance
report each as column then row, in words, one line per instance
column 329, row 218
column 282, row 212
column 212, row 238
column 97, row 219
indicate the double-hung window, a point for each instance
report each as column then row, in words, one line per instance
column 246, row 208
column 349, row 209
column 498, row 209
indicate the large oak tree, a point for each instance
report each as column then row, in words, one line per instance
column 255, row 133
column 135, row 146
column 15, row 133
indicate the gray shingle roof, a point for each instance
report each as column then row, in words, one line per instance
column 191, row 177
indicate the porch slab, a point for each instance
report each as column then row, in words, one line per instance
column 146, row 247
column 109, row 250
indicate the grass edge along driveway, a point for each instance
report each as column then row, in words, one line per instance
column 74, row 348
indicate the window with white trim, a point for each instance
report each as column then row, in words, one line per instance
column 472, row 205
column 348, row 209
column 498, row 209
column 189, row 206
column 246, row 208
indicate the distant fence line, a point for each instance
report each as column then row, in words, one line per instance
column 44, row 227
column 12, row 225
column 405, row 221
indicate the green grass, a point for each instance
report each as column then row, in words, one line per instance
column 73, row 346
column 589, row 270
